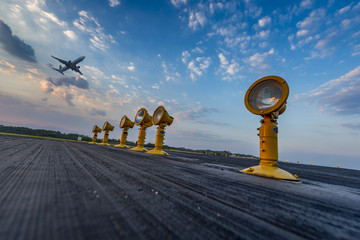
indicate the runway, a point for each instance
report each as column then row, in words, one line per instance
column 53, row 189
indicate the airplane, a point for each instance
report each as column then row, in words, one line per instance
column 69, row 65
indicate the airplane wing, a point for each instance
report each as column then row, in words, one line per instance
column 60, row 60
column 79, row 71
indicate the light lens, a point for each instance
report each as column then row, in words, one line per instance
column 158, row 114
column 139, row 116
column 122, row 122
column 265, row 94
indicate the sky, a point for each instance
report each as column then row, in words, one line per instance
column 197, row 59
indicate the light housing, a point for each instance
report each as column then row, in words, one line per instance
column 161, row 116
column 125, row 122
column 107, row 126
column 96, row 129
column 267, row 95
column 143, row 118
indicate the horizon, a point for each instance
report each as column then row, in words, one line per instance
column 197, row 59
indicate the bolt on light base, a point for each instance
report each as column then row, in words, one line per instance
column 269, row 166
column 159, row 142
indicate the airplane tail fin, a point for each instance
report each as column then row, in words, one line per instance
column 58, row 70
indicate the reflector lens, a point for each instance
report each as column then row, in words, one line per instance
column 158, row 115
column 265, row 95
column 139, row 116
column 122, row 122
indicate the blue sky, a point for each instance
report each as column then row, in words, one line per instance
column 197, row 58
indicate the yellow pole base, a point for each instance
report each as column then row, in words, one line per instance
column 158, row 152
column 104, row 144
column 121, row 146
column 139, row 149
column 271, row 172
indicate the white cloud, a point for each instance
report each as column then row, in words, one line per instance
column 315, row 18
column 356, row 50
column 35, row 7
column 6, row 67
column 155, row 86
column 198, row 66
column 88, row 24
column 339, row 96
column 196, row 20
column 258, row 60
column 305, row 4
column 184, row 56
column 114, row 3
column 344, row 9
column 264, row 21
column 178, row 3
column 70, row 34
column 131, row 67
column 230, row 69
column 302, row 33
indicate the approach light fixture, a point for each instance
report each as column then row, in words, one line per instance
column 142, row 119
column 107, row 128
column 162, row 118
column 125, row 124
column 95, row 130
column 267, row 97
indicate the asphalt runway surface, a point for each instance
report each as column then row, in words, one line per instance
column 53, row 189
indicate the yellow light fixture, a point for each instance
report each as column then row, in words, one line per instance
column 267, row 97
column 107, row 128
column 125, row 124
column 95, row 130
column 142, row 119
column 162, row 118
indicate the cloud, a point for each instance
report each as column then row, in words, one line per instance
column 312, row 22
column 78, row 82
column 99, row 112
column 70, row 34
column 306, row 4
column 258, row 60
column 264, row 21
column 196, row 113
column 88, row 24
column 198, row 66
column 356, row 50
column 35, row 7
column 6, row 66
column 114, row 3
column 230, row 68
column 169, row 72
column 178, row 3
column 339, row 96
column 196, row 19
column 131, row 67
column 14, row 45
